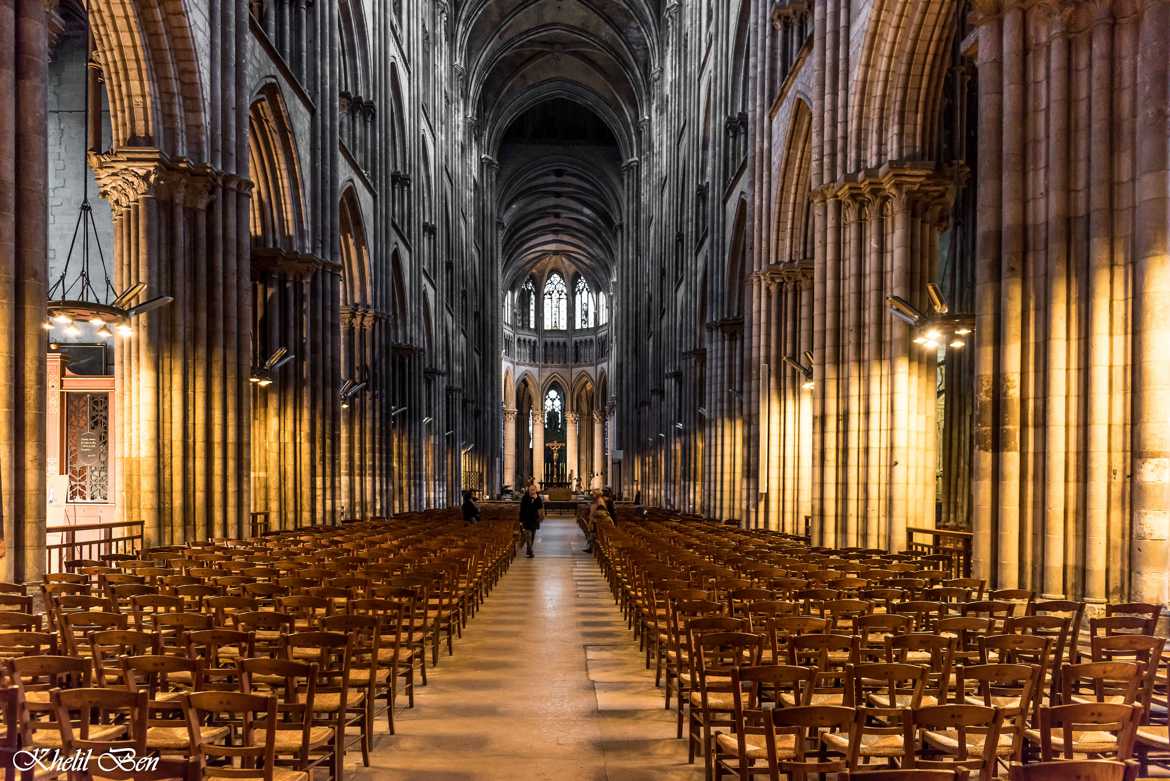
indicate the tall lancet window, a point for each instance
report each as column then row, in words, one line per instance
column 602, row 308
column 554, row 410
column 556, row 304
column 586, row 316
column 529, row 299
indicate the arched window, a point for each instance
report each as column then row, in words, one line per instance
column 554, row 409
column 556, row 316
column 586, row 316
column 602, row 308
column 530, row 299
column 508, row 307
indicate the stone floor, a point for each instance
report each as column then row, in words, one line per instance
column 546, row 684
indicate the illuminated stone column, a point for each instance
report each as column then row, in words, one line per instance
column 510, row 448
column 537, row 443
column 571, row 460
column 598, row 450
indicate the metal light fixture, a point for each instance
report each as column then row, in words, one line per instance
column 427, row 420
column 940, row 330
column 804, row 367
column 397, row 412
column 80, row 301
column 263, row 375
column 348, row 390
column 467, row 448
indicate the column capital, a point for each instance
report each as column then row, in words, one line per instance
column 123, row 176
column 572, row 417
column 598, row 416
column 489, row 162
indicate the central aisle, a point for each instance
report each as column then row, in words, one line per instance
column 546, row 684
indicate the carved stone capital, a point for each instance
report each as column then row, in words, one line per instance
column 125, row 176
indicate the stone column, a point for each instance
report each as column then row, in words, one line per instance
column 571, row 460
column 537, row 443
column 510, row 448
column 598, row 452
column 1151, row 447
column 23, row 285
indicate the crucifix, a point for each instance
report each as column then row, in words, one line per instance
column 555, row 447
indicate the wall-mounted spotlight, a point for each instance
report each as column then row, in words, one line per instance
column 468, row 448
column 803, row 367
column 397, row 412
column 940, row 330
column 661, row 435
column 679, row 426
column 263, row 375
column 348, row 390
column 736, row 393
column 703, row 411
column 448, row 434
column 427, row 420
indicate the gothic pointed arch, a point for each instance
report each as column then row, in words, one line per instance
column 355, row 251
column 148, row 57
column 276, row 218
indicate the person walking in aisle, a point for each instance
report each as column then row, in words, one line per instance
column 531, row 514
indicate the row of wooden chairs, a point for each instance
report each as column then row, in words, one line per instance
column 160, row 648
column 957, row 645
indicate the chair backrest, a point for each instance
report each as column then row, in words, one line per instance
column 101, row 720
column 961, row 721
column 1076, row 770
column 1080, row 725
column 252, row 745
column 1103, row 681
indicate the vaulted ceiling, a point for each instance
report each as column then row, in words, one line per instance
column 558, row 88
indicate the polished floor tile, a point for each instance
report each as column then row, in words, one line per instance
column 547, row 683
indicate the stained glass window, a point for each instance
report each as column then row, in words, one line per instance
column 554, row 409
column 530, row 295
column 585, row 313
column 556, row 297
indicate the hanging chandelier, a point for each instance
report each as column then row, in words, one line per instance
column 81, row 301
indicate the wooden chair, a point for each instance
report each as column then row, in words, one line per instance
column 794, row 743
column 298, row 739
column 334, row 697
column 712, row 701
column 1088, row 728
column 953, row 737
column 879, row 692
column 1076, row 770
column 100, row 720
column 1010, row 688
column 166, row 680
column 831, row 655
column 37, row 677
column 1117, row 682
column 248, row 748
column 905, row 774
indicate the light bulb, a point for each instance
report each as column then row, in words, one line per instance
column 958, row 343
column 72, row 330
column 104, row 333
column 47, row 325
column 931, row 344
column 920, row 340
column 96, row 322
column 62, row 319
column 962, row 331
column 808, row 385
column 345, row 405
column 933, row 334
column 264, row 383
column 125, row 330
column 253, row 379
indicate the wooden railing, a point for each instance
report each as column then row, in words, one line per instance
column 91, row 542
column 946, row 544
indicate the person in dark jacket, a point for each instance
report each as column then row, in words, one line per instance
column 610, row 507
column 470, row 508
column 531, row 514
